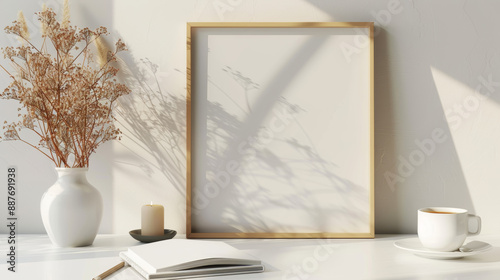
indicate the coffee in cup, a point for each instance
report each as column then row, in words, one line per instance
column 443, row 228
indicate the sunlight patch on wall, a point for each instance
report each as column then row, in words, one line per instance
column 473, row 120
column 465, row 106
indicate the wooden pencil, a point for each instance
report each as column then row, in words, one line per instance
column 109, row 271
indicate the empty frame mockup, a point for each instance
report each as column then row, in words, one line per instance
column 280, row 130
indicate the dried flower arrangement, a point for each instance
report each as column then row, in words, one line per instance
column 66, row 97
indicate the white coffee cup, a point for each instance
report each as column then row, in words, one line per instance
column 443, row 228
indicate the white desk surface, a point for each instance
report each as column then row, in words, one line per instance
column 285, row 259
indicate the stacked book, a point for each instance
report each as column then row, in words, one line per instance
column 180, row 258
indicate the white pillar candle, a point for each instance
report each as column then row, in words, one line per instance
column 152, row 219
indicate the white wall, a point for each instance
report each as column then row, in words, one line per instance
column 433, row 61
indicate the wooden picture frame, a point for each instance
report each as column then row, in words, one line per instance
column 280, row 124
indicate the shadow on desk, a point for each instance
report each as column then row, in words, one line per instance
column 40, row 249
column 490, row 256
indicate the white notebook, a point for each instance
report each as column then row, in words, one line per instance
column 181, row 258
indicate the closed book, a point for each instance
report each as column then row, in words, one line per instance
column 181, row 258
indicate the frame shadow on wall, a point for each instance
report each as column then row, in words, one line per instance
column 402, row 117
column 438, row 163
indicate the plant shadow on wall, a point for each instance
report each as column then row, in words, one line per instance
column 154, row 120
column 273, row 175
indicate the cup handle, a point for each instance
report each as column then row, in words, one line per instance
column 478, row 219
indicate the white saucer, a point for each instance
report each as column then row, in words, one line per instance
column 413, row 245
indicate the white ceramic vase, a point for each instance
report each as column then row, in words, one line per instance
column 71, row 209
